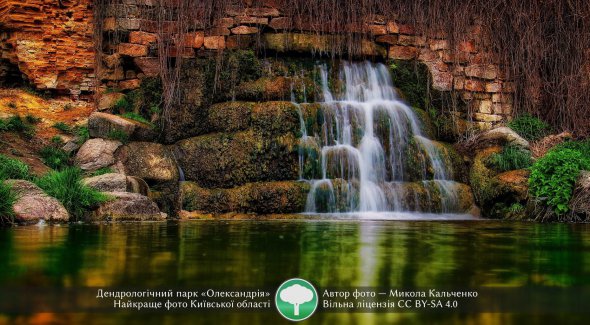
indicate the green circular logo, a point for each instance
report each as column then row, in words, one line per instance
column 296, row 299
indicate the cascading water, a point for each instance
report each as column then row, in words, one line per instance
column 354, row 152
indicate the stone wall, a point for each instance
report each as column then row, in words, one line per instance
column 50, row 42
column 466, row 67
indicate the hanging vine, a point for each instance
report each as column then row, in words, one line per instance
column 545, row 45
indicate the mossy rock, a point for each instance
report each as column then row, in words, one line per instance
column 223, row 160
column 230, row 116
column 276, row 118
column 262, row 198
column 425, row 122
column 276, row 88
column 501, row 196
column 204, row 81
column 417, row 165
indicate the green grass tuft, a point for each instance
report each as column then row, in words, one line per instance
column 137, row 117
column 55, row 158
column 7, row 199
column 61, row 126
column 510, row 158
column 67, row 187
column 118, row 135
column 101, row 171
column 13, row 169
column 529, row 127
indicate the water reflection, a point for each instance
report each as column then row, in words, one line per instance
column 263, row 254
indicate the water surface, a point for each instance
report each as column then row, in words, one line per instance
column 334, row 253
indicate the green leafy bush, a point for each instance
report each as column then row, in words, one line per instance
column 529, row 127
column 7, row 199
column 61, row 126
column 55, row 158
column 13, row 169
column 553, row 177
column 118, row 135
column 581, row 146
column 67, row 187
column 510, row 158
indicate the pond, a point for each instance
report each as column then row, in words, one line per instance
column 459, row 254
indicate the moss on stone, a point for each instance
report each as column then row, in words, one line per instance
column 263, row 198
column 231, row 159
column 230, row 116
column 275, row 118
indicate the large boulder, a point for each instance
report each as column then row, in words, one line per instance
column 224, row 160
column 111, row 182
column 102, row 125
column 152, row 162
column 96, row 153
column 126, row 206
column 34, row 205
column 263, row 198
column 500, row 195
column 496, row 137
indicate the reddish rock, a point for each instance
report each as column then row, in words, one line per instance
column 387, row 39
column 392, row 27
column 214, row 42
column 402, row 52
column 442, row 81
column 249, row 20
column 427, row 55
column 493, row 87
column 133, row 50
column 280, row 23
column 483, row 71
column 406, row 29
column 262, row 12
column 137, row 37
column 226, row 23
column 466, row 46
column 474, row 85
column 244, row 30
column 377, row 30
column 129, row 84
column 218, row 31
column 150, row 67
column 438, row 44
column 239, row 42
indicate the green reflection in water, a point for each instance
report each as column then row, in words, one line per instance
column 263, row 254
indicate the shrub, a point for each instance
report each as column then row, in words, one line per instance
column 61, row 126
column 13, row 169
column 67, row 187
column 118, row 135
column 55, row 158
column 529, row 127
column 510, row 158
column 581, row 146
column 7, row 199
column 553, row 177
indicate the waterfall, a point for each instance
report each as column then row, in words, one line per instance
column 353, row 149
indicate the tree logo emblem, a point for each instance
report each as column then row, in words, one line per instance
column 296, row 299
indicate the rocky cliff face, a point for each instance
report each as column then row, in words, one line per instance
column 50, row 42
